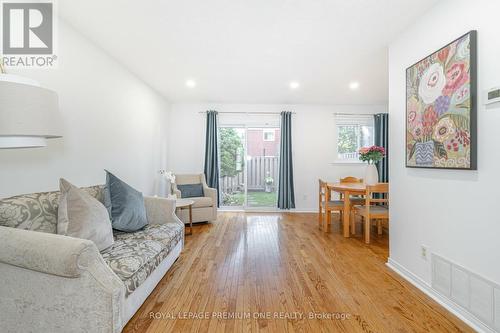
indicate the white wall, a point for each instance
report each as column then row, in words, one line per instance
column 111, row 120
column 455, row 213
column 313, row 142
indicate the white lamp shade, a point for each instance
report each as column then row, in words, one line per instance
column 19, row 79
column 28, row 115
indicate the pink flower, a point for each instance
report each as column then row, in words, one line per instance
column 377, row 149
column 430, row 119
column 364, row 150
column 372, row 149
column 456, row 76
column 371, row 154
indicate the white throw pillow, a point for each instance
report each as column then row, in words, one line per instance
column 82, row 216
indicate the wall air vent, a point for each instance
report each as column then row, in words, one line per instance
column 475, row 294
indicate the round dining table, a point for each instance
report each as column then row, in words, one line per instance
column 347, row 189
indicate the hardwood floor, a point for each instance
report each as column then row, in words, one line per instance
column 257, row 266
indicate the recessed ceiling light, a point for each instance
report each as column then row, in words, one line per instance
column 354, row 85
column 190, row 83
column 294, row 85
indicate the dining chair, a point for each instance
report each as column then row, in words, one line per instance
column 350, row 179
column 374, row 208
column 326, row 205
column 355, row 200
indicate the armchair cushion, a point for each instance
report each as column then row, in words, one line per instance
column 134, row 256
column 191, row 190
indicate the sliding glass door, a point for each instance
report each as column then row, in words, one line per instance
column 232, row 166
column 262, row 166
column 249, row 158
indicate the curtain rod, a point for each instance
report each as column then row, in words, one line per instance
column 252, row 113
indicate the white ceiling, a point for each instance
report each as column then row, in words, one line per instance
column 247, row 51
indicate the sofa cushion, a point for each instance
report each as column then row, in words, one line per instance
column 37, row 211
column 200, row 202
column 134, row 256
column 128, row 212
column 191, row 190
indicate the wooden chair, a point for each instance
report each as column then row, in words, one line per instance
column 374, row 208
column 326, row 205
column 355, row 200
column 351, row 179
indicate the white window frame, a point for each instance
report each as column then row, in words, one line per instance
column 268, row 131
column 355, row 120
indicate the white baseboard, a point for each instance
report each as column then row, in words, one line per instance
column 315, row 211
column 448, row 304
column 270, row 210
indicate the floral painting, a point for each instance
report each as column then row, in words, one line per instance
column 440, row 108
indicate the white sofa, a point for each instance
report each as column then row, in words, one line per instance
column 54, row 283
column 205, row 207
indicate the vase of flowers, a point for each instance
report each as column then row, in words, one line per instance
column 372, row 155
column 169, row 179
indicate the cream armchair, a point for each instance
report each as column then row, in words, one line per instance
column 204, row 208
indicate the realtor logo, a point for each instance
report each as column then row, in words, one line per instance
column 27, row 28
column 28, row 34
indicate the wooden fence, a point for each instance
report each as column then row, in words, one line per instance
column 258, row 168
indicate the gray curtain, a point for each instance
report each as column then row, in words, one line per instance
column 212, row 152
column 381, row 139
column 286, row 195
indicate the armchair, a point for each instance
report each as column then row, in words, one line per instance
column 205, row 207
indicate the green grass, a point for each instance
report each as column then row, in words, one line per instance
column 262, row 199
column 255, row 199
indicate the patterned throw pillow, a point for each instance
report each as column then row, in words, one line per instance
column 82, row 216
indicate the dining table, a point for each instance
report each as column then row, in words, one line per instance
column 346, row 189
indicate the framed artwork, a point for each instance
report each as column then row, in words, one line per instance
column 441, row 108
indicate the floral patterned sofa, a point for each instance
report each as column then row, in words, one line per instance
column 55, row 283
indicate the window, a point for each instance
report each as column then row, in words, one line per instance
column 352, row 133
column 268, row 135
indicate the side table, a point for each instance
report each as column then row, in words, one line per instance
column 181, row 204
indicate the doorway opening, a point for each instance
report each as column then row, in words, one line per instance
column 249, row 161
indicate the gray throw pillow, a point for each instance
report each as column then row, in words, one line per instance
column 128, row 212
column 191, row 190
column 82, row 216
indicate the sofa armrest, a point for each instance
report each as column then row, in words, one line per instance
column 53, row 278
column 160, row 210
column 47, row 253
